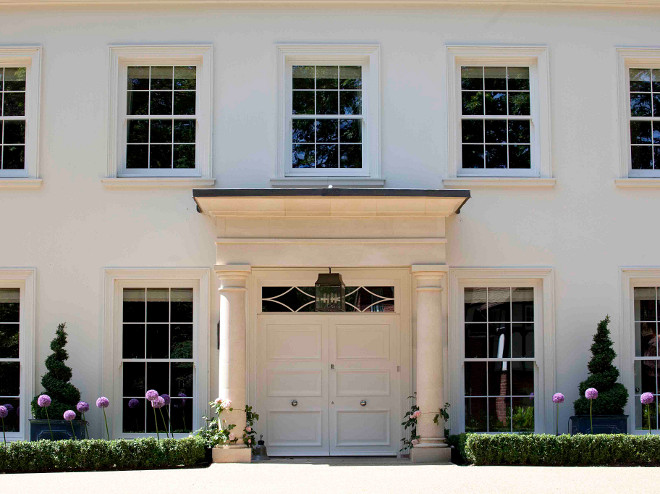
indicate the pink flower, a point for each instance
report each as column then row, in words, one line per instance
column 232, row 437
column 646, row 398
column 249, row 441
column 415, row 441
column 591, row 394
column 416, row 414
column 248, row 429
column 558, row 398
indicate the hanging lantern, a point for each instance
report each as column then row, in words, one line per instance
column 330, row 293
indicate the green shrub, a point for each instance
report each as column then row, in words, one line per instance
column 96, row 454
column 564, row 450
column 458, row 441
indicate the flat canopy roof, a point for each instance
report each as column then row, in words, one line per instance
column 336, row 201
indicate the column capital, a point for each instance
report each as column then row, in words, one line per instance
column 429, row 276
column 232, row 275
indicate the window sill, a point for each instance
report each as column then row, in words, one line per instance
column 20, row 183
column 522, row 182
column 638, row 183
column 326, row 181
column 156, row 182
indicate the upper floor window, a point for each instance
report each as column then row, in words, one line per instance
column 499, row 112
column 644, row 85
column 330, row 109
column 19, row 115
column 161, row 112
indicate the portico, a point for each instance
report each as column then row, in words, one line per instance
column 341, row 379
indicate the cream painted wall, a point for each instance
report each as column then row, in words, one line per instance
column 73, row 227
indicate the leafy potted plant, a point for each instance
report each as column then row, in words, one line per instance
column 48, row 421
column 612, row 396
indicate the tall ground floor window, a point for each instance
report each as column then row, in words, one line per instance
column 10, row 362
column 499, row 358
column 646, row 359
column 157, row 353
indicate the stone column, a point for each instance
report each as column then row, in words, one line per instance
column 432, row 447
column 232, row 355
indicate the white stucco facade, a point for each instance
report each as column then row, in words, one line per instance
column 572, row 232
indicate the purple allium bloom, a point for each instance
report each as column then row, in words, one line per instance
column 43, row 401
column 69, row 415
column 531, row 396
column 591, row 394
column 103, row 402
column 9, row 407
column 182, row 395
column 166, row 398
column 152, row 395
column 158, row 402
column 132, row 403
column 3, row 412
column 82, row 407
column 558, row 398
column 646, row 398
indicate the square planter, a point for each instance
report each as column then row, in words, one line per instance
column 61, row 429
column 234, row 453
column 603, row 424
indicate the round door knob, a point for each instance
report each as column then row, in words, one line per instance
column 363, row 403
column 294, row 403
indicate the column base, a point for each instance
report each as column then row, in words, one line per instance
column 430, row 454
column 232, row 454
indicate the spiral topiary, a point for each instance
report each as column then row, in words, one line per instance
column 64, row 395
column 612, row 396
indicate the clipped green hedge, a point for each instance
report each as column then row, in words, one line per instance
column 551, row 450
column 96, row 454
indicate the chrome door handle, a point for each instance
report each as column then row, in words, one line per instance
column 294, row 403
column 363, row 403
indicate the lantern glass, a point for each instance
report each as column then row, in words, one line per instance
column 330, row 293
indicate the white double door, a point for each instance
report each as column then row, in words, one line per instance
column 328, row 384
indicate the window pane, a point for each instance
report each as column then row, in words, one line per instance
column 475, row 379
column 499, row 411
column 158, row 341
column 475, row 341
column 327, row 103
column 137, row 156
column 522, row 378
column 138, row 103
column 327, row 156
column 303, row 156
column 11, row 378
column 522, row 416
column 9, row 340
column 473, row 103
column 656, row 132
column 644, row 413
column 494, row 77
column 495, row 103
column 160, row 102
column 184, row 103
column 645, row 377
column 499, row 378
column 475, row 414
column 499, row 340
column 12, row 421
column 351, row 102
column 522, row 340
column 14, row 104
column 351, row 130
column 13, row 157
column 350, row 77
column 519, row 104
column 10, row 304
column 519, row 131
column 640, row 80
column 158, row 377
column 161, row 131
column 181, row 341
column 184, row 131
column 642, row 157
column 473, row 156
column 134, row 307
column 520, row 157
column 181, row 413
column 185, row 77
column 161, row 77
column 138, row 78
column 303, row 130
column 14, row 132
column 640, row 105
column 640, row 132
column 472, row 131
column 303, row 103
column 133, row 341
column 646, row 341
column 160, row 156
column 184, row 156
column 475, row 304
column 518, row 78
column 182, row 304
column 499, row 304
column 327, row 77
column 303, row 77
column 134, row 415
column 15, row 78
column 158, row 304
column 472, row 77
column 138, row 131
column 522, row 304
column 645, row 304
column 496, row 131
column 351, row 156
column 182, row 378
column 133, row 379
column 656, row 80
column 326, row 131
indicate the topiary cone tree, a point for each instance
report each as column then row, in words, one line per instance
column 64, row 395
column 612, row 396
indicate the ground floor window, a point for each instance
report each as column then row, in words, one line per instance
column 499, row 359
column 157, row 353
column 10, row 362
column 646, row 359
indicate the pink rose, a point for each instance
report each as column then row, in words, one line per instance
column 249, row 441
column 248, row 429
column 416, row 414
column 415, row 441
column 231, row 436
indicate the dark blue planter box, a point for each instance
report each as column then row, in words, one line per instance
column 61, row 429
column 603, row 424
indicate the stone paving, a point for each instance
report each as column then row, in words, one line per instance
column 343, row 475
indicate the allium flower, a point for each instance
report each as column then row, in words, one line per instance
column 151, row 395
column 43, row 401
column 166, row 398
column 558, row 398
column 103, row 402
column 69, row 415
column 132, row 403
column 182, row 395
column 591, row 394
column 248, row 429
column 3, row 412
column 416, row 414
column 9, row 407
column 82, row 407
column 646, row 398
column 158, row 402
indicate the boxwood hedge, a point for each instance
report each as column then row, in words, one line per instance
column 95, row 454
column 550, row 450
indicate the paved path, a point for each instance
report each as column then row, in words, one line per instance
column 342, row 476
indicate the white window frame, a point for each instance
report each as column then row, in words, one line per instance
column 30, row 58
column 631, row 278
column 25, row 280
column 542, row 280
column 534, row 57
column 366, row 56
column 628, row 58
column 122, row 56
column 115, row 281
